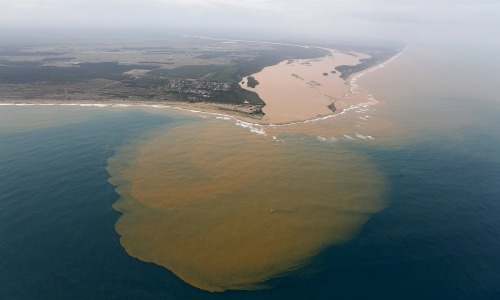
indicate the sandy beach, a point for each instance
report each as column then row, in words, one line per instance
column 240, row 111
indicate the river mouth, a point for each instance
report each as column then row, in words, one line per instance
column 301, row 89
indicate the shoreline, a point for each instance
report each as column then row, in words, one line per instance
column 240, row 112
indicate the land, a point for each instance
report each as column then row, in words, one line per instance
column 252, row 82
column 181, row 71
column 377, row 56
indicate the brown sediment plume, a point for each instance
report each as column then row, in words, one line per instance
column 225, row 209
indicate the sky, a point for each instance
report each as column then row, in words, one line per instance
column 404, row 20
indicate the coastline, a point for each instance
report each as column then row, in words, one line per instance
column 241, row 112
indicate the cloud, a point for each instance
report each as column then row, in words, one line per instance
column 406, row 20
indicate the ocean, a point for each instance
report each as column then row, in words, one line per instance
column 396, row 199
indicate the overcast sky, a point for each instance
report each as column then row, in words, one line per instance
column 392, row 19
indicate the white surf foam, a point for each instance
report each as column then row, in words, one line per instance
column 252, row 127
column 358, row 135
column 223, row 118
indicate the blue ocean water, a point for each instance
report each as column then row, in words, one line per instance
column 56, row 220
column 438, row 238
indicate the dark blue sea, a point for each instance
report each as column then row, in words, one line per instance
column 438, row 237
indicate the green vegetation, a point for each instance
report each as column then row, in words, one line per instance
column 218, row 83
column 252, row 82
column 188, row 70
column 25, row 72
column 219, row 73
column 25, row 52
column 215, row 54
column 377, row 56
column 239, row 67
column 27, row 63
